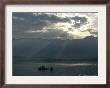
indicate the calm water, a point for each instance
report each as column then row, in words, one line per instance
column 59, row 69
column 65, row 57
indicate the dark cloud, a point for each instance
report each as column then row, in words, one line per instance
column 42, row 20
column 52, row 18
column 45, row 25
column 64, row 35
column 79, row 21
column 70, row 29
column 35, row 22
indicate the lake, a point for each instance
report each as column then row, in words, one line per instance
column 58, row 69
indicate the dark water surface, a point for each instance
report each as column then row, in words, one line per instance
column 65, row 57
column 59, row 69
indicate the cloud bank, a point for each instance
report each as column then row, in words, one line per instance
column 55, row 25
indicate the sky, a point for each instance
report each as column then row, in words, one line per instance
column 52, row 33
column 73, row 25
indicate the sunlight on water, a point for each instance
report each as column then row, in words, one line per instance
column 78, row 64
column 67, row 64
